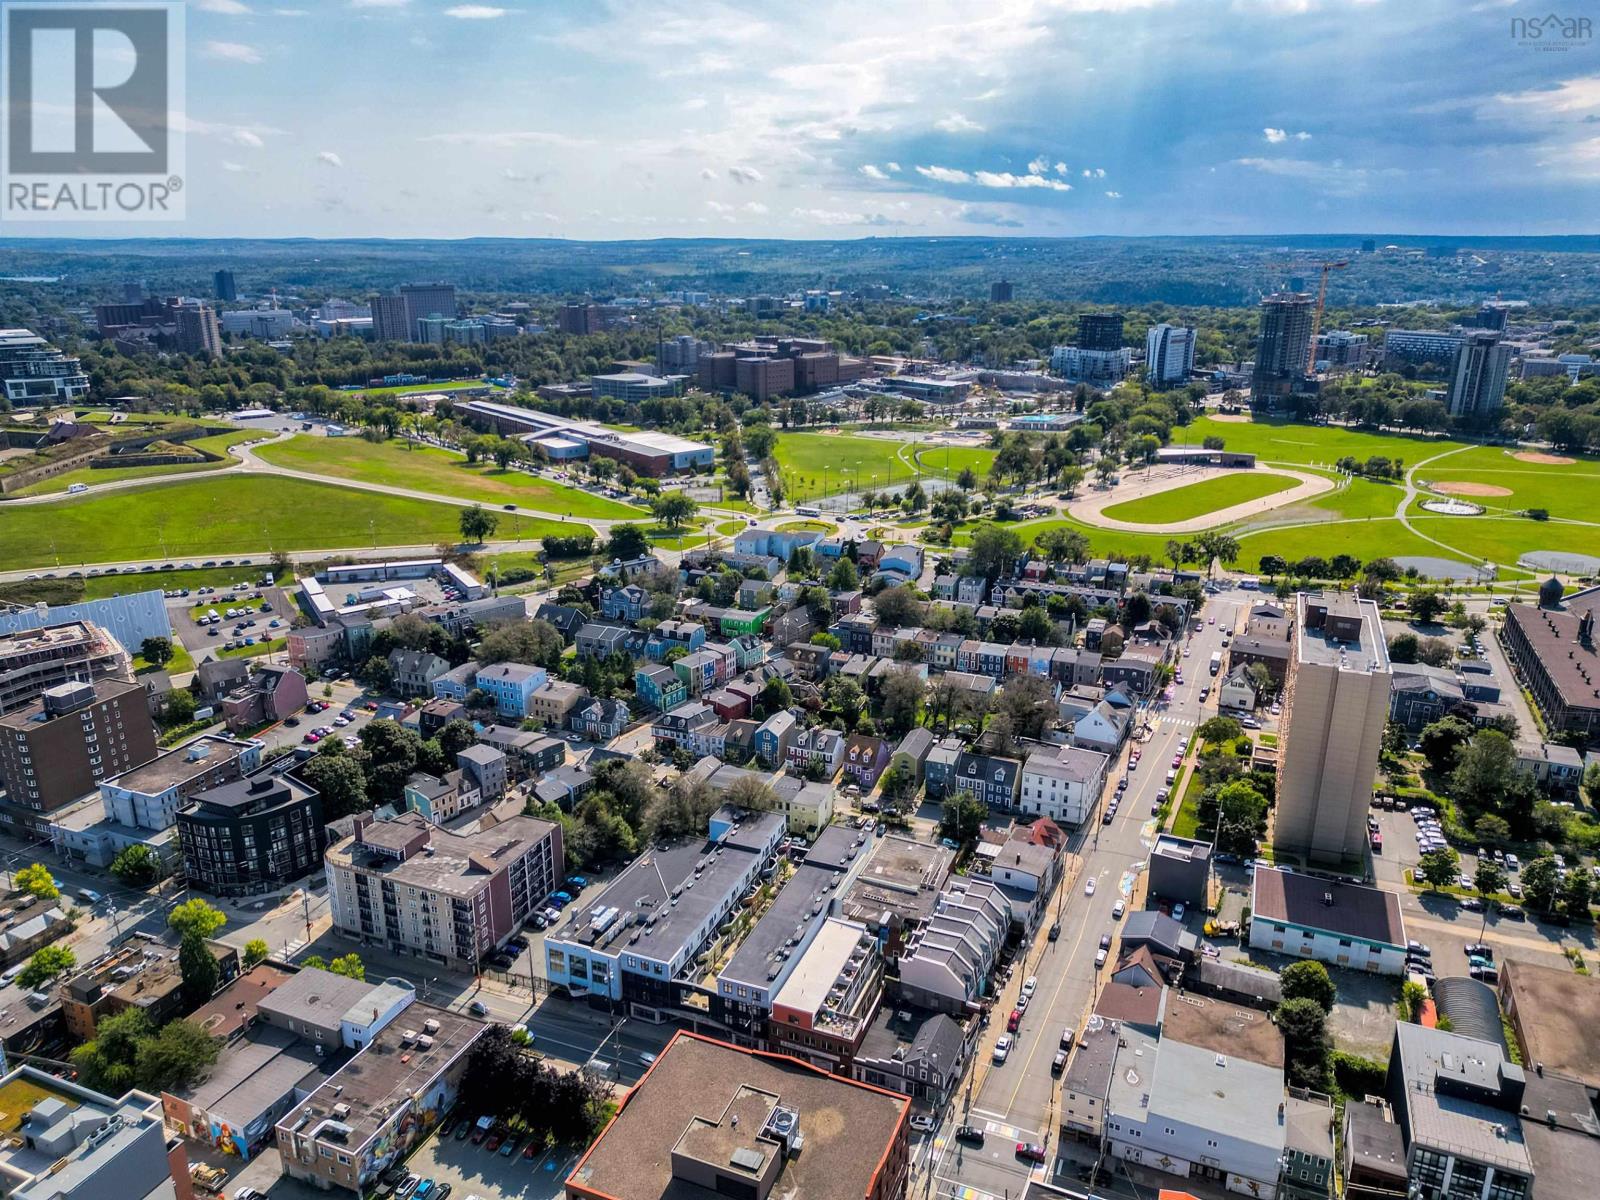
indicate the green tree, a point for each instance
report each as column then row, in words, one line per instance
column 1490, row 828
column 627, row 542
column 349, row 965
column 994, row 550
column 36, row 880
column 1306, row 1046
column 339, row 778
column 1427, row 606
column 107, row 1062
column 1441, row 742
column 137, row 866
column 534, row 643
column 1219, row 729
column 902, row 696
column 963, row 817
column 175, row 1057
column 1310, row 980
column 674, row 509
column 199, row 969
column 47, row 962
column 1541, row 883
column 477, row 524
column 179, row 708
column 844, row 577
column 256, row 950
column 1241, row 817
column 899, row 607
column 196, row 916
column 1576, row 892
column 1440, row 867
column 157, row 651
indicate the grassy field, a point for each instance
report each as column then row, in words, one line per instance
column 181, row 661
column 1380, row 537
column 804, row 526
column 429, row 469
column 1103, row 543
column 1198, row 499
column 1288, row 442
column 865, row 463
column 229, row 515
column 402, row 389
column 1565, row 491
column 935, row 460
column 1504, row 540
column 275, row 646
column 217, row 443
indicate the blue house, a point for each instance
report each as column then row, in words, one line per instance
column 774, row 736
column 904, row 559
column 779, row 543
column 629, row 604
column 512, row 685
column 670, row 634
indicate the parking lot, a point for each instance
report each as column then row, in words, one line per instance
column 473, row 1170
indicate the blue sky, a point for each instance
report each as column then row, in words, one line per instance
column 829, row 118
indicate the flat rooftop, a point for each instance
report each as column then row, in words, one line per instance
column 180, row 765
column 236, row 1005
column 903, row 878
column 1223, row 1027
column 1571, row 666
column 821, row 965
column 460, row 863
column 685, row 1104
column 1331, row 643
column 253, row 1073
column 1355, row 910
column 383, row 1076
column 1439, row 1074
column 665, row 873
column 1555, row 1010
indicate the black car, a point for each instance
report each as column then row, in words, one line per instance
column 970, row 1134
column 1055, row 931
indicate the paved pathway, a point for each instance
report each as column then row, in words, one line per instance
column 1091, row 511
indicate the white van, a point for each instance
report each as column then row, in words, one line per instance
column 11, row 974
column 77, row 489
column 88, row 895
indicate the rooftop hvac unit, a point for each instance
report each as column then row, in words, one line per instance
column 408, row 1036
column 424, row 1042
column 431, row 1025
column 341, row 1111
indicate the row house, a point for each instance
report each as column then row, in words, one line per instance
column 660, row 688
column 810, row 662
column 677, row 727
column 672, row 634
column 698, row 671
column 969, row 590
column 844, row 604
column 754, row 594
column 865, row 759
column 554, row 703
column 824, row 747
column 629, row 604
column 749, row 689
column 749, row 651
column 944, row 651
column 981, row 658
column 729, row 706
column 795, row 625
column 939, row 766
column 855, row 633
column 565, row 619
column 775, row 736
column 1136, row 670
column 511, row 685
column 989, row 778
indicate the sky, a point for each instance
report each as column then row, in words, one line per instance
column 602, row 119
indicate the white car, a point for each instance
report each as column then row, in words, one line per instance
column 1030, row 985
column 1088, row 886
column 1117, row 910
column 923, row 1123
column 1002, row 1048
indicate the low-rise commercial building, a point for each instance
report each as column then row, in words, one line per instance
column 380, row 1105
column 1343, row 924
column 711, row 1119
column 149, row 796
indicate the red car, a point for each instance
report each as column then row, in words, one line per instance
column 1031, row 1151
column 493, row 1143
column 1014, row 1020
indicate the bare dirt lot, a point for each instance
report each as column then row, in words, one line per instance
column 1453, row 487
column 1547, row 460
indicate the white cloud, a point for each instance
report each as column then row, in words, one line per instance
column 755, row 206
column 503, row 139
column 956, row 123
column 1274, row 135
column 1061, row 168
column 330, row 159
column 1115, row 195
column 694, row 103
column 1332, row 177
column 232, row 166
column 744, row 174
column 1005, row 179
column 229, row 8
column 379, row 3
column 828, row 216
column 1569, row 96
column 1039, row 165
column 231, row 52
column 1094, row 172
column 246, row 137
column 944, row 174
column 513, row 175
column 717, row 206
column 475, row 12
column 892, row 167
column 1302, row 136
column 707, row 174
column 872, row 172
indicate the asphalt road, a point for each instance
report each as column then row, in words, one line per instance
column 1016, row 1101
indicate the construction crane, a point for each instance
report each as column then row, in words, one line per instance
column 1316, row 317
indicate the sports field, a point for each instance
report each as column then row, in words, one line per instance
column 1288, row 442
column 441, row 472
column 1563, row 490
column 227, row 515
column 1198, row 499
column 842, row 461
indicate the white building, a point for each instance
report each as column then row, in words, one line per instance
column 1168, row 354
column 1065, row 785
column 264, row 323
column 1344, row 924
column 1102, row 368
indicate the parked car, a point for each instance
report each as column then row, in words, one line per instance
column 1002, row 1048
column 1088, row 886
column 970, row 1134
column 923, row 1123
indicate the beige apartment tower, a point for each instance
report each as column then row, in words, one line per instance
column 1336, row 701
